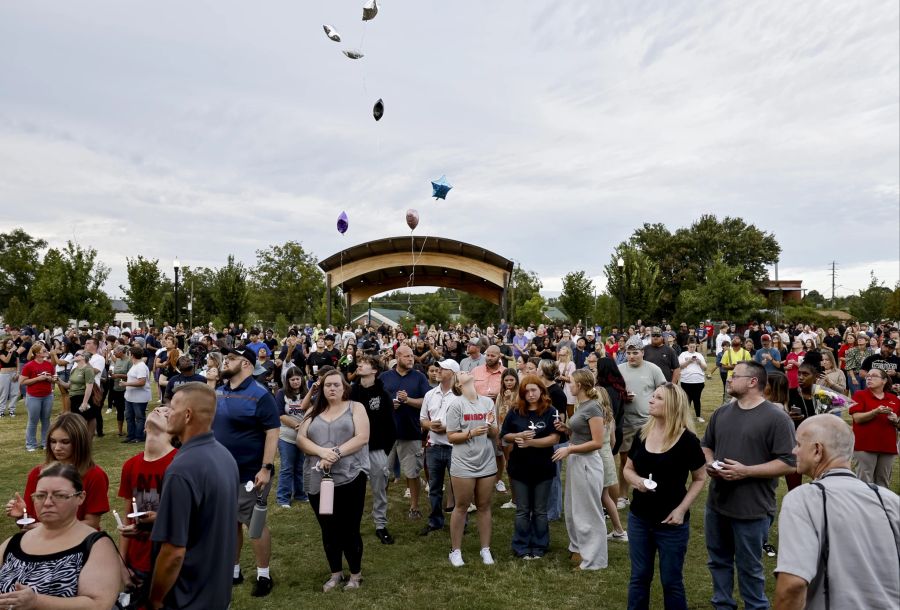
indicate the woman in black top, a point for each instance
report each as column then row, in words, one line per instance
column 548, row 371
column 665, row 452
column 9, row 377
column 529, row 429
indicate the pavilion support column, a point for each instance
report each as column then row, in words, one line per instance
column 328, row 298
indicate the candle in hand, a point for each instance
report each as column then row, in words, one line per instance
column 134, row 505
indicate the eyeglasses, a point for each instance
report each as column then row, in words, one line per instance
column 39, row 497
column 744, row 376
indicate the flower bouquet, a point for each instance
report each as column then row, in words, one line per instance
column 829, row 401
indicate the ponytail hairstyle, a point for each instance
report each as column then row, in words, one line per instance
column 584, row 380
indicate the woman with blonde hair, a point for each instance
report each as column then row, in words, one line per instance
column 662, row 456
column 472, row 430
column 564, row 369
column 584, row 474
column 610, row 474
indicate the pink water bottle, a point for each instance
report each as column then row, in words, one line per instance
column 326, row 495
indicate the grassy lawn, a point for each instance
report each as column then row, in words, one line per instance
column 413, row 573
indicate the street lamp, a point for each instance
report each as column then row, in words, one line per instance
column 621, row 264
column 369, row 323
column 177, row 264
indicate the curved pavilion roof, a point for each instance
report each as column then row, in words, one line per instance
column 377, row 266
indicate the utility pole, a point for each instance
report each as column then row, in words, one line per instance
column 833, row 276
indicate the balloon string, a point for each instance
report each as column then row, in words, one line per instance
column 412, row 274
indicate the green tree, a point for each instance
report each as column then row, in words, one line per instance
column 638, row 283
column 814, row 298
column 17, row 312
column 19, row 264
column 532, row 310
column 523, row 286
column 577, row 297
column 478, row 310
column 871, row 302
column 683, row 257
column 70, row 286
column 606, row 311
column 231, row 291
column 144, row 283
column 892, row 311
column 723, row 296
column 432, row 308
column 287, row 281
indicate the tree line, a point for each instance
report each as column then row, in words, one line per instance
column 711, row 269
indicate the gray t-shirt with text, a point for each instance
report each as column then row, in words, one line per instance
column 475, row 457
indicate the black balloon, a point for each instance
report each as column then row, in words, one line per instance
column 378, row 110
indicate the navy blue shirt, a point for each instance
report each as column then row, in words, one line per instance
column 243, row 415
column 406, row 417
column 531, row 464
column 197, row 511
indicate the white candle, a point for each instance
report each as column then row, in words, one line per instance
column 134, row 505
column 25, row 514
column 118, row 519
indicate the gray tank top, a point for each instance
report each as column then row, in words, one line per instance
column 332, row 434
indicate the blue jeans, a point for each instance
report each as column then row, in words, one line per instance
column 437, row 458
column 736, row 541
column 531, row 530
column 38, row 409
column 645, row 540
column 555, row 504
column 135, row 414
column 290, row 476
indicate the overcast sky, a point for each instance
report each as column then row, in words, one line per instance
column 199, row 129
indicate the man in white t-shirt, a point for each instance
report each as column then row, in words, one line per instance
column 438, row 450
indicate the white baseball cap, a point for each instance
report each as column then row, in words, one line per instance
column 449, row 364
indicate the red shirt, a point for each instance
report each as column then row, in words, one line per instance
column 877, row 435
column 142, row 480
column 793, row 379
column 42, row 388
column 96, row 492
column 841, row 351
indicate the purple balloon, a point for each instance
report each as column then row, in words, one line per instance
column 343, row 223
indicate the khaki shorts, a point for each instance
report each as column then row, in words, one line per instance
column 627, row 439
column 247, row 499
column 412, row 458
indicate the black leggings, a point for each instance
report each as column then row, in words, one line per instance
column 693, row 391
column 117, row 401
column 340, row 531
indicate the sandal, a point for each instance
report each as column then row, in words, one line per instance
column 332, row 582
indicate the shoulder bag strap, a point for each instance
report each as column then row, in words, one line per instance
column 825, row 544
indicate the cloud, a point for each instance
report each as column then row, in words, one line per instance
column 201, row 132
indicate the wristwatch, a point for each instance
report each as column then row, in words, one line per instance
column 269, row 467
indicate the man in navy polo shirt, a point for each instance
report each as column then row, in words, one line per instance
column 247, row 423
column 192, row 563
column 407, row 387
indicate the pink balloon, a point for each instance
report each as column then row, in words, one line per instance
column 412, row 219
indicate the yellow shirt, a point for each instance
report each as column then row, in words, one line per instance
column 731, row 357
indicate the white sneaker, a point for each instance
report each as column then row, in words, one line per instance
column 108, row 411
column 500, row 486
column 623, row 537
column 285, row 506
column 701, row 420
column 427, row 487
column 406, row 492
column 486, row 557
column 472, row 508
column 509, row 504
column 622, row 503
column 456, row 559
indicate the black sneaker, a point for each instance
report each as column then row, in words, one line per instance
column 237, row 580
column 769, row 549
column 384, row 536
column 428, row 529
column 262, row 587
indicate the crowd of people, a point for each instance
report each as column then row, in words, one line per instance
column 579, row 427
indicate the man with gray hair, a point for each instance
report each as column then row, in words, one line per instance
column 854, row 562
column 475, row 358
